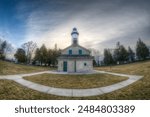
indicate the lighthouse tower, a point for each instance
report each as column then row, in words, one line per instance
column 74, row 35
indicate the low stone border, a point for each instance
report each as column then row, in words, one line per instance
column 72, row 92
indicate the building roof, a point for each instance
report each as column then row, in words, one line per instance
column 76, row 45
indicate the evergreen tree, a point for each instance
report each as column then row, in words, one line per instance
column 37, row 57
column 108, row 59
column 55, row 54
column 131, row 54
column 43, row 54
column 49, row 56
column 20, row 55
column 46, row 56
column 120, row 53
column 142, row 50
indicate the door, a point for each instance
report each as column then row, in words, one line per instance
column 75, row 66
column 65, row 66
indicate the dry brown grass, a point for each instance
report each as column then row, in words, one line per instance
column 138, row 90
column 13, row 91
column 75, row 81
column 7, row 68
column 138, row 68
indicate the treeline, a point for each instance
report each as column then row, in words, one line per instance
column 47, row 57
column 29, row 53
column 121, row 55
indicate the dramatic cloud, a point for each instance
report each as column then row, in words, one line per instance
column 101, row 23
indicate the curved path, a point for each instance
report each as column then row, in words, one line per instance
column 72, row 92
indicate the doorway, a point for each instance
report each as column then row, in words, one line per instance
column 65, row 66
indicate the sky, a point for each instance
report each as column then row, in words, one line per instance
column 100, row 23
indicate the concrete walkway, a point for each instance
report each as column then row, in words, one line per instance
column 72, row 92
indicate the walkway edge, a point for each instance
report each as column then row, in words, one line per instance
column 72, row 92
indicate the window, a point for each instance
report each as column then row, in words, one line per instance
column 70, row 52
column 80, row 52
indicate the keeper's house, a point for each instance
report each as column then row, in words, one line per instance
column 75, row 58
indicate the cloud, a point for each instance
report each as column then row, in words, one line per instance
column 98, row 22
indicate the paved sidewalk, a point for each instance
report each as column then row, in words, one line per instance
column 72, row 92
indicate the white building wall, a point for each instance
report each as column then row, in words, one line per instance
column 60, row 65
column 71, row 65
column 80, row 65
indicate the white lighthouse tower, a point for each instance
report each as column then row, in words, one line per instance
column 74, row 35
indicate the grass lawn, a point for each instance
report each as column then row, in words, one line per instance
column 76, row 81
column 138, row 90
column 7, row 68
column 11, row 90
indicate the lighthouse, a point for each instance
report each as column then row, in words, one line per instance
column 75, row 36
column 75, row 58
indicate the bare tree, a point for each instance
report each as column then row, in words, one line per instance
column 96, row 54
column 29, row 48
